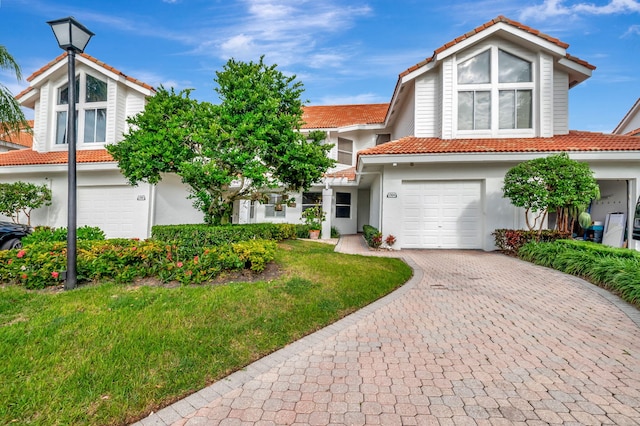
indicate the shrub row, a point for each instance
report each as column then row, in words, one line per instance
column 615, row 269
column 39, row 265
column 191, row 238
column 372, row 236
column 42, row 234
column 510, row 241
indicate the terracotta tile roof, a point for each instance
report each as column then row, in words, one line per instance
column 28, row 157
column 333, row 116
column 635, row 132
column 90, row 58
column 574, row 141
column 349, row 173
column 488, row 25
column 22, row 138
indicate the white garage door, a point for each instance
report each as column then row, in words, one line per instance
column 115, row 209
column 442, row 214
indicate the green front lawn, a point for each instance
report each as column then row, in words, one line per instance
column 109, row 354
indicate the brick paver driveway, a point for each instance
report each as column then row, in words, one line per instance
column 474, row 338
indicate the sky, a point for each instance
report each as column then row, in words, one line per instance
column 344, row 52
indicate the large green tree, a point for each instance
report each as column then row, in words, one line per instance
column 555, row 183
column 238, row 149
column 12, row 118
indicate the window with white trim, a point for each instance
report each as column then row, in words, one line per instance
column 91, row 110
column 311, row 199
column 343, row 205
column 345, row 151
column 495, row 91
column 275, row 207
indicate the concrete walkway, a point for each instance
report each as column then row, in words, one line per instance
column 473, row 338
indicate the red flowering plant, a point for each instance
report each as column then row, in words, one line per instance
column 390, row 240
column 123, row 260
column 376, row 240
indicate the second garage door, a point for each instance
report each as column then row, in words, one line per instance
column 119, row 210
column 442, row 214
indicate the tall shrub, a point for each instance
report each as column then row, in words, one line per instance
column 554, row 183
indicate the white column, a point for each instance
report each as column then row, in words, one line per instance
column 327, row 203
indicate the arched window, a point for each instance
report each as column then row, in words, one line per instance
column 495, row 91
column 91, row 110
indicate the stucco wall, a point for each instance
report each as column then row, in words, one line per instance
column 172, row 206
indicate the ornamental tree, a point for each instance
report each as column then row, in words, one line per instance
column 22, row 197
column 239, row 149
column 555, row 183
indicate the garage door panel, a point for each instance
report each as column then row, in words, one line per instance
column 114, row 209
column 448, row 212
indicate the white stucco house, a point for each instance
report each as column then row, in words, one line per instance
column 426, row 167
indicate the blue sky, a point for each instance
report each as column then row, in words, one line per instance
column 343, row 51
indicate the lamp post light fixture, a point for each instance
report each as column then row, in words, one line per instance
column 73, row 37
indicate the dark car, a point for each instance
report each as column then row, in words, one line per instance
column 11, row 235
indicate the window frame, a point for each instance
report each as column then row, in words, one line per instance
column 345, row 152
column 317, row 199
column 340, row 204
column 275, row 198
column 494, row 87
column 83, row 107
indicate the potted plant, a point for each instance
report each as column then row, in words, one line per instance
column 313, row 218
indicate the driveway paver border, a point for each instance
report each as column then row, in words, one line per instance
column 202, row 398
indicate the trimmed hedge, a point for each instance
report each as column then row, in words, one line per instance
column 372, row 236
column 510, row 241
column 615, row 269
column 42, row 234
column 40, row 265
column 191, row 238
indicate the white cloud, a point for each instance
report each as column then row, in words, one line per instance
column 557, row 8
column 614, row 7
column 285, row 31
column 633, row 30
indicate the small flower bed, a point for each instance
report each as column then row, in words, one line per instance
column 509, row 241
column 372, row 236
column 40, row 265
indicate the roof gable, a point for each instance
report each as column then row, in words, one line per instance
column 579, row 69
column 635, row 109
column 40, row 76
column 476, row 34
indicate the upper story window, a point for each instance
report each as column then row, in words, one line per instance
column 495, row 91
column 345, row 151
column 91, row 110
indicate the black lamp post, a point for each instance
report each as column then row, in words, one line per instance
column 73, row 37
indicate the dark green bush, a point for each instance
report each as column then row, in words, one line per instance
column 334, row 232
column 190, row 239
column 43, row 234
column 616, row 269
column 302, row 230
column 372, row 236
column 510, row 241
